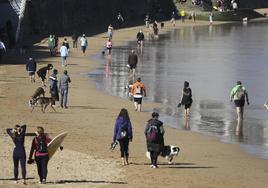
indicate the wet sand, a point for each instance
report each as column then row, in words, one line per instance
column 86, row 160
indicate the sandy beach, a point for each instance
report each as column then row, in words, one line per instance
column 86, row 160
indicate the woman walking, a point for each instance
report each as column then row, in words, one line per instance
column 18, row 136
column 123, row 134
column 186, row 100
column 40, row 152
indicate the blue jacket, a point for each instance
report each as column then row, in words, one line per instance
column 119, row 121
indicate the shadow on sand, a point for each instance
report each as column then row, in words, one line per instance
column 176, row 165
column 88, row 107
column 87, row 181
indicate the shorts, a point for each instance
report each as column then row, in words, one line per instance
column 83, row 48
column 132, row 67
column 138, row 100
column 239, row 103
column 186, row 106
column 43, row 77
column 31, row 73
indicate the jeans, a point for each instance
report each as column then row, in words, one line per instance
column 64, row 95
column 41, row 162
column 154, row 155
column 63, row 60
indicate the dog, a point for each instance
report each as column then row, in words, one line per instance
column 169, row 152
column 38, row 92
column 44, row 102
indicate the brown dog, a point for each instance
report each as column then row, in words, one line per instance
column 44, row 102
column 38, row 92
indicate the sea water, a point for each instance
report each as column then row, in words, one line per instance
column 211, row 59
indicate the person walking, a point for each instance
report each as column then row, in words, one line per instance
column 147, row 20
column 74, row 38
column 239, row 94
column 63, row 54
column 66, row 43
column 64, row 87
column 154, row 133
column 138, row 91
column 51, row 45
column 109, row 46
column 40, row 152
column 31, row 68
column 54, row 91
column 186, row 100
column 132, row 63
column 123, row 134
column 18, row 136
column 43, row 73
column 120, row 20
column 2, row 50
column 110, row 31
column 140, row 38
column 182, row 15
column 173, row 19
column 210, row 18
column 83, row 43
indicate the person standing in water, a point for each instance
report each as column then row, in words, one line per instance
column 132, row 63
column 40, row 152
column 123, row 134
column 18, row 136
column 186, row 100
column 138, row 91
column 239, row 95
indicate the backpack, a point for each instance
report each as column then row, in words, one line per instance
column 240, row 94
column 152, row 133
column 41, row 144
column 123, row 130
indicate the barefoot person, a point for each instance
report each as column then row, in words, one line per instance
column 18, row 136
column 132, row 63
column 186, row 100
column 123, row 134
column 239, row 95
column 154, row 133
column 40, row 152
column 138, row 91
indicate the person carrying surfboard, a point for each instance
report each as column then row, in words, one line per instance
column 40, row 152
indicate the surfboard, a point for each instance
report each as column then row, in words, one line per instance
column 55, row 144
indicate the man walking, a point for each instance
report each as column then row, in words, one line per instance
column 31, row 68
column 63, row 54
column 64, row 85
column 154, row 133
column 132, row 63
column 83, row 43
column 138, row 91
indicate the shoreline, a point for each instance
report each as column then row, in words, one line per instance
column 203, row 161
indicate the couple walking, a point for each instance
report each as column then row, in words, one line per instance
column 154, row 133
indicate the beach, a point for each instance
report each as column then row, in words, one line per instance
column 86, row 160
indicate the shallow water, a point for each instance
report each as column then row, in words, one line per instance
column 212, row 59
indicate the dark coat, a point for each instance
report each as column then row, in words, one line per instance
column 117, row 131
column 31, row 65
column 159, row 144
column 132, row 59
column 54, row 91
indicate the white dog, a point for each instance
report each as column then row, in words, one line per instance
column 169, row 152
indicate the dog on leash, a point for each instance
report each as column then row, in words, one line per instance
column 38, row 92
column 169, row 152
column 44, row 102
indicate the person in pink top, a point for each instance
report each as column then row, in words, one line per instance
column 109, row 46
column 40, row 152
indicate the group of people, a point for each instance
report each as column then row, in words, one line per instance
column 54, row 87
column 39, row 150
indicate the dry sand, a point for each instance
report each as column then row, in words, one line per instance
column 86, row 160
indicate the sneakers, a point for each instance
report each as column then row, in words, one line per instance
column 153, row 166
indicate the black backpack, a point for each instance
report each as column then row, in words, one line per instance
column 41, row 144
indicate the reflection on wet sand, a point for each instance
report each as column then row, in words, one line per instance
column 211, row 58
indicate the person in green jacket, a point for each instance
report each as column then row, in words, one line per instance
column 51, row 44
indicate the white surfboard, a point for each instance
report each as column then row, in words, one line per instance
column 55, row 144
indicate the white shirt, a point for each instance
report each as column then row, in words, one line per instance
column 83, row 41
column 2, row 46
column 63, row 51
